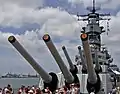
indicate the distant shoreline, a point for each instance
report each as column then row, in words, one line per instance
column 10, row 75
column 16, row 77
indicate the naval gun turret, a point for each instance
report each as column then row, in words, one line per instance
column 93, row 81
column 50, row 80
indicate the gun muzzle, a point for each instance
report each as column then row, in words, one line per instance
column 44, row 75
column 67, row 75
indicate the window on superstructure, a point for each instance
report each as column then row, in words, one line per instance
column 92, row 20
column 101, row 63
column 99, row 56
column 93, row 55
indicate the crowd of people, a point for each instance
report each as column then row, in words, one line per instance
column 71, row 89
column 115, row 90
column 7, row 90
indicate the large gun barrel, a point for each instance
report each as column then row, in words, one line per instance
column 67, row 75
column 72, row 66
column 47, row 78
column 97, row 65
column 50, row 80
column 93, row 82
column 84, row 69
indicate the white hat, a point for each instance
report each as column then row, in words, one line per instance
column 118, row 88
column 30, row 91
column 20, row 90
column 33, row 88
column 6, row 90
column 46, row 90
column 72, row 84
column 92, row 93
column 56, row 90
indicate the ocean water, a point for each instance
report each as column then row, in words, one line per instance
column 17, row 82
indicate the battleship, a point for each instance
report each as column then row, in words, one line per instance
column 94, row 71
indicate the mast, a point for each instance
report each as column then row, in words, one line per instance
column 93, row 28
column 94, row 6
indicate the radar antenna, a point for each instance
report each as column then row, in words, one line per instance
column 108, row 29
column 93, row 7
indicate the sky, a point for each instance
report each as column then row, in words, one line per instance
column 29, row 20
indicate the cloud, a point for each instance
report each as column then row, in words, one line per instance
column 22, row 3
column 112, row 39
column 15, row 16
column 15, row 62
column 111, row 4
column 59, row 24
column 62, row 35
column 18, row 12
column 62, row 27
column 85, row 2
column 36, row 48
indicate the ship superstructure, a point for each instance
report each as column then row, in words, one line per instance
column 92, row 71
column 96, row 54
